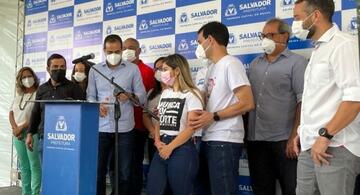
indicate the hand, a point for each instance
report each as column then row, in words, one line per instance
column 29, row 141
column 156, row 111
column 17, row 131
column 159, row 145
column 318, row 151
column 165, row 152
column 122, row 97
column 203, row 118
column 290, row 150
column 103, row 110
column 296, row 145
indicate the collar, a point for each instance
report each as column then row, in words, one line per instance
column 285, row 53
column 328, row 35
column 65, row 82
column 122, row 63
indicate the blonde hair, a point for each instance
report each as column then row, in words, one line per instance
column 185, row 81
column 20, row 88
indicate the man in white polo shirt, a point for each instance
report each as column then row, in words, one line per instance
column 228, row 95
column 330, row 122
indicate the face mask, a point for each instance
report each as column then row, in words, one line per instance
column 200, row 51
column 58, row 75
column 268, row 45
column 79, row 76
column 158, row 75
column 28, row 82
column 128, row 55
column 299, row 31
column 113, row 59
column 167, row 79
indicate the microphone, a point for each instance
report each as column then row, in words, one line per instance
column 83, row 58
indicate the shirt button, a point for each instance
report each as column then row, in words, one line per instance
column 258, row 106
column 53, row 96
column 266, row 73
column 262, row 83
column 257, row 117
column 260, row 94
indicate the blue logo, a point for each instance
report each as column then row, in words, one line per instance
column 52, row 39
column 27, row 62
column 183, row 45
column 232, row 39
column 183, row 18
column 61, row 124
column 28, row 43
column 287, row 2
column 79, row 13
column 78, row 35
column 29, row 4
column 143, row 2
column 230, row 10
column 353, row 24
column 108, row 30
column 29, row 23
column 143, row 49
column 109, row 8
column 143, row 25
column 52, row 19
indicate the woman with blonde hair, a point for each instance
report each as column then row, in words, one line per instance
column 176, row 161
column 19, row 116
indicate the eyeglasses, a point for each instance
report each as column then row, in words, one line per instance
column 268, row 35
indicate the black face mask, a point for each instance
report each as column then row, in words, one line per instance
column 58, row 75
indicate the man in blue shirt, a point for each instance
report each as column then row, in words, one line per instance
column 127, row 75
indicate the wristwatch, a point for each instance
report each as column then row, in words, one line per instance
column 324, row 133
column 216, row 116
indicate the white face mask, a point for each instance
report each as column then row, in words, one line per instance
column 129, row 55
column 298, row 30
column 28, row 82
column 268, row 45
column 79, row 76
column 113, row 59
column 200, row 51
column 158, row 75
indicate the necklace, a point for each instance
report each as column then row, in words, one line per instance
column 26, row 102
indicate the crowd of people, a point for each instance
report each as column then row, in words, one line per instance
column 303, row 126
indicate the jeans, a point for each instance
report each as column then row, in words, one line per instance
column 179, row 170
column 268, row 163
column 106, row 148
column 30, row 166
column 337, row 178
column 219, row 167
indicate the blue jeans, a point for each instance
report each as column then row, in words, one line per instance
column 106, row 148
column 179, row 171
column 219, row 167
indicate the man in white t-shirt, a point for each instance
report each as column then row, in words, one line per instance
column 228, row 96
column 329, row 128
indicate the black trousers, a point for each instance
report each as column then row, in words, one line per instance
column 268, row 163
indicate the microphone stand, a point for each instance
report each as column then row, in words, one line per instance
column 117, row 115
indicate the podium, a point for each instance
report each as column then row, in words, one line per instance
column 70, row 147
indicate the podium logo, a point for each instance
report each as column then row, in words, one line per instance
column 230, row 10
column 183, row 18
column 29, row 4
column 52, row 19
column 143, row 25
column 183, row 45
column 79, row 13
column 61, row 124
column 109, row 8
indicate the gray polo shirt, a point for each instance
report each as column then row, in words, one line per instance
column 277, row 88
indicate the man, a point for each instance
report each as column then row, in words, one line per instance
column 228, row 95
column 131, row 54
column 128, row 77
column 57, row 88
column 276, row 79
column 329, row 128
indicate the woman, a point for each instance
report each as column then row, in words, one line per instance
column 19, row 116
column 152, row 103
column 80, row 75
column 176, row 159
